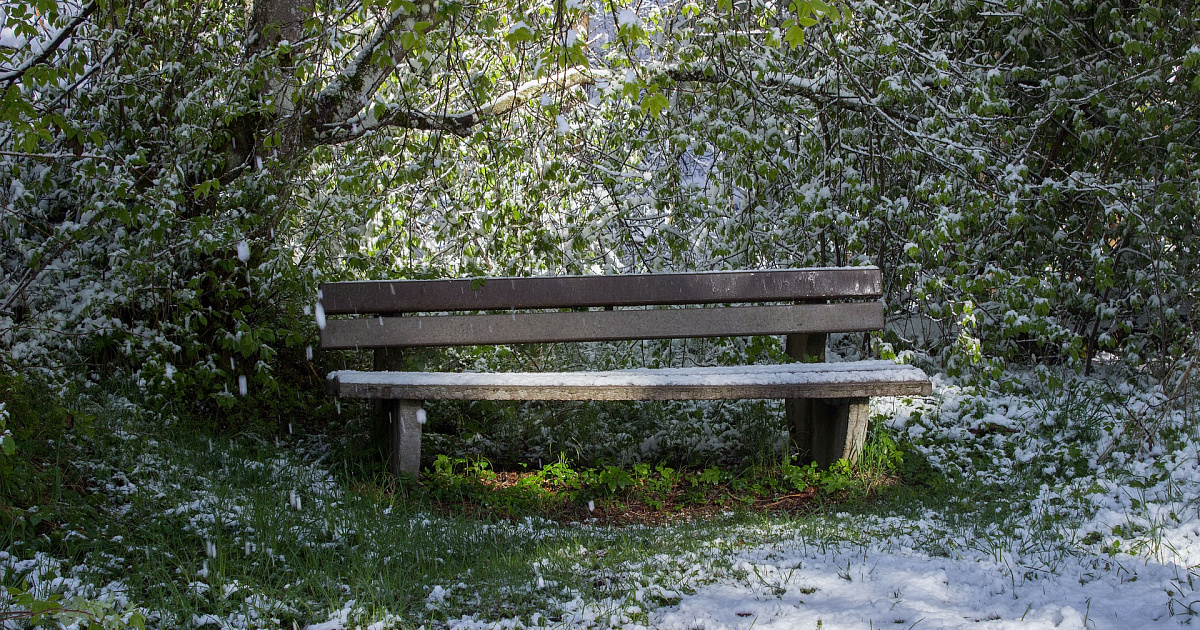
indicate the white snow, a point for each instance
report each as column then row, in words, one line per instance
column 243, row 251
column 885, row 375
column 990, row 569
column 793, row 586
column 626, row 17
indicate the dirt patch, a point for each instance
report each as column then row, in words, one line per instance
column 519, row 494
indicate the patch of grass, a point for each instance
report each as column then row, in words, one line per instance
column 645, row 493
column 197, row 527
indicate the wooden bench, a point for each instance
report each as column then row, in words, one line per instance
column 826, row 403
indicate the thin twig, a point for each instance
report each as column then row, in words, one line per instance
column 57, row 156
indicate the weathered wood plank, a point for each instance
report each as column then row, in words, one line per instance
column 858, row 379
column 489, row 294
column 665, row 323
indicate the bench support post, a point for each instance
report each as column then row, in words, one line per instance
column 804, row 415
column 397, row 432
column 843, row 433
column 405, row 436
column 823, row 431
column 385, row 360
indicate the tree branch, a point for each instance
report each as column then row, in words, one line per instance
column 356, row 85
column 56, row 156
column 810, row 89
column 15, row 74
column 392, row 115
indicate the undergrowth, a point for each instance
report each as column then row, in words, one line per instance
column 645, row 492
column 191, row 528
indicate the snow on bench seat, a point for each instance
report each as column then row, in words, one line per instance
column 857, row 379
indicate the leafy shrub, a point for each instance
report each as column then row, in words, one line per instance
column 39, row 486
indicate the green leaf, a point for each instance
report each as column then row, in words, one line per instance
column 521, row 33
column 206, row 188
column 794, row 37
column 7, row 444
column 655, row 104
column 819, row 7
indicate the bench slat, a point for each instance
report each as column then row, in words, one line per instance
column 667, row 323
column 782, row 285
column 794, row 380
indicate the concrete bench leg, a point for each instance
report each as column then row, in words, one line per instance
column 397, row 431
column 825, row 431
column 405, row 434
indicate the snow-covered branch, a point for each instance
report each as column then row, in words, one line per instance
column 57, row 156
column 355, row 86
column 393, row 115
column 813, row 90
column 63, row 34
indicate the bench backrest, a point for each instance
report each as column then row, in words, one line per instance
column 805, row 293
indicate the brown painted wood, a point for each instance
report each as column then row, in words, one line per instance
column 663, row 323
column 839, row 380
column 489, row 294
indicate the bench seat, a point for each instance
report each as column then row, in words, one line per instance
column 857, row 379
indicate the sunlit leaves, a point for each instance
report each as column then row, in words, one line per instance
column 805, row 14
column 519, row 32
column 794, row 36
column 925, row 142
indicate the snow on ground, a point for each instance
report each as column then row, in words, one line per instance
column 1106, row 536
column 791, row 586
column 1078, row 508
column 1059, row 559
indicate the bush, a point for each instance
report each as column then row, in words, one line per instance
column 39, row 487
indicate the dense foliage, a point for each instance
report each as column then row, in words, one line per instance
column 177, row 176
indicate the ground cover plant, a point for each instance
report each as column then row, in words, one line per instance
column 258, row 530
column 1044, row 505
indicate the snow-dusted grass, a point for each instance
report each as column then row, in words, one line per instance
column 1063, row 503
